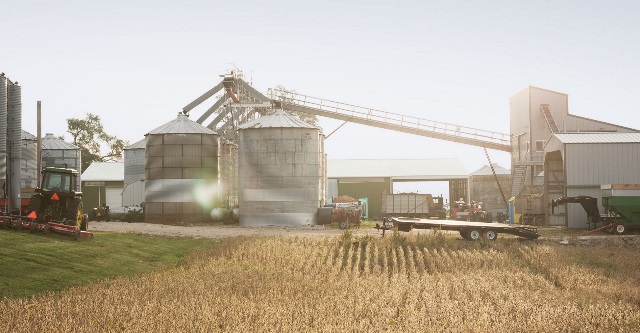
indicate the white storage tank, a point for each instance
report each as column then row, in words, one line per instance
column 281, row 171
column 181, row 172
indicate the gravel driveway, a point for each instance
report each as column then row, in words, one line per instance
column 221, row 231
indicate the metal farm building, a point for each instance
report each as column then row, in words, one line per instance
column 577, row 154
column 581, row 162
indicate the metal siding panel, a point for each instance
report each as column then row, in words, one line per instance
column 154, row 140
column 169, row 150
column 114, row 196
column 133, row 194
column 155, row 151
column 182, row 139
column 577, row 217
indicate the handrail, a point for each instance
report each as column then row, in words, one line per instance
column 390, row 117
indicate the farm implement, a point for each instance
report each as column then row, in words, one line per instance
column 621, row 203
column 55, row 207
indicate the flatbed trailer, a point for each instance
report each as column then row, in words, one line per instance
column 468, row 230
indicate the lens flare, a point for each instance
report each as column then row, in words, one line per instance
column 207, row 193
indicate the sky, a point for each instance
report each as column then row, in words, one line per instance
column 136, row 64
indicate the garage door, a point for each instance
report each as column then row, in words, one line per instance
column 114, row 196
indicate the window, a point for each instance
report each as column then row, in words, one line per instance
column 56, row 182
column 540, row 145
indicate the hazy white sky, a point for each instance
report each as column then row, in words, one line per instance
column 137, row 63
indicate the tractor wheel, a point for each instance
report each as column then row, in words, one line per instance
column 18, row 224
column 85, row 223
column 74, row 212
column 490, row 235
column 35, row 204
column 32, row 227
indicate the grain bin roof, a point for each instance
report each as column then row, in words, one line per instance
column 277, row 119
column 598, row 137
column 182, row 125
column 104, row 171
column 486, row 171
column 398, row 169
column 51, row 142
column 24, row 135
column 138, row 145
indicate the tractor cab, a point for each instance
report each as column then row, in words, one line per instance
column 56, row 200
column 59, row 180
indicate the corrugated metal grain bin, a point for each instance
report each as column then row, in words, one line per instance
column 59, row 153
column 28, row 164
column 133, row 194
column 181, row 172
column 483, row 187
column 281, row 171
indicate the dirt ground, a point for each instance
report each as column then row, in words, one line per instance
column 223, row 231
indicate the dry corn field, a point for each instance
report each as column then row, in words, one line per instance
column 418, row 283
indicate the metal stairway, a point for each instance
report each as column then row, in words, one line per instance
column 518, row 175
column 544, row 108
column 321, row 107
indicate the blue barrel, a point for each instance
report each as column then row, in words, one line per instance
column 512, row 210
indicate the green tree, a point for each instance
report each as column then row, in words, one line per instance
column 89, row 135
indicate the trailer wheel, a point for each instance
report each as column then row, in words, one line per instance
column 46, row 229
column 32, row 227
column 474, row 234
column 74, row 212
column 490, row 235
column 619, row 229
column 343, row 225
